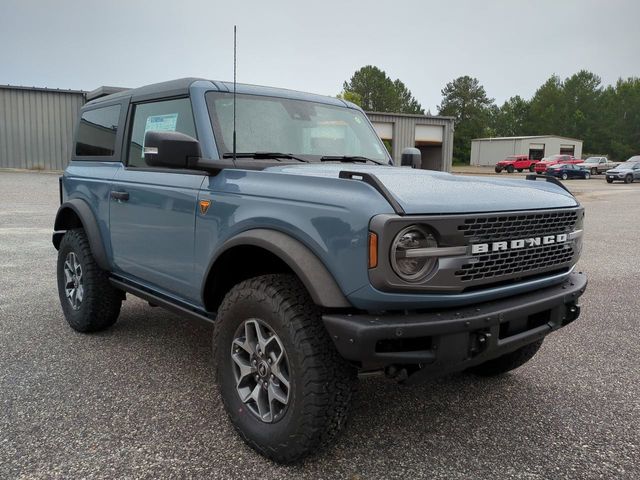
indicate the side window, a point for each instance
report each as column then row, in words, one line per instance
column 96, row 135
column 168, row 115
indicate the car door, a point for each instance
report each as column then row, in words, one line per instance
column 636, row 171
column 152, row 210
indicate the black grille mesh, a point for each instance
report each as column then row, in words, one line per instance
column 505, row 227
column 496, row 264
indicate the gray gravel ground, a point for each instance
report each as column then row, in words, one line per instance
column 137, row 401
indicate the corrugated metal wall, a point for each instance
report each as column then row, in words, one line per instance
column 488, row 151
column 36, row 127
column 404, row 133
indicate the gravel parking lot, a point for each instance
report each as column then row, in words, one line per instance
column 138, row 401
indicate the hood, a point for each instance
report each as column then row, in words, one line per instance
column 430, row 192
column 622, row 168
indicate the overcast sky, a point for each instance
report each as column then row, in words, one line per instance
column 511, row 46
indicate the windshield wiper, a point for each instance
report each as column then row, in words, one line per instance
column 347, row 158
column 269, row 155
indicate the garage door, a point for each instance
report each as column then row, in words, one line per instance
column 429, row 133
column 384, row 130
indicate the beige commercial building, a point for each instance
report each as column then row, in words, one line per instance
column 488, row 151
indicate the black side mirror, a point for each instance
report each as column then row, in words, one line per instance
column 411, row 157
column 170, row 149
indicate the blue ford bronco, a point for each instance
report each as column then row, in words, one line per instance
column 314, row 257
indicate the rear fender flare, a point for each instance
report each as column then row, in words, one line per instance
column 65, row 220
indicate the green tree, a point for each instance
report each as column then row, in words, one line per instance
column 511, row 119
column 467, row 101
column 377, row 92
column 621, row 105
column 546, row 109
column 352, row 97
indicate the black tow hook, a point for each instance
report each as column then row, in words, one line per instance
column 573, row 312
column 480, row 342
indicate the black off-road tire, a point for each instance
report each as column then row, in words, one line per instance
column 497, row 169
column 100, row 306
column 322, row 382
column 510, row 169
column 507, row 362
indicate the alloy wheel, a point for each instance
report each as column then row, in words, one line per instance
column 261, row 370
column 74, row 283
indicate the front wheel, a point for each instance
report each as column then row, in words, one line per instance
column 609, row 180
column 89, row 302
column 628, row 179
column 594, row 171
column 284, row 386
column 587, row 176
column 497, row 169
column 507, row 362
column 564, row 176
column 532, row 168
column 510, row 169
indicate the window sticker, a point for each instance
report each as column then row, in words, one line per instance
column 160, row 123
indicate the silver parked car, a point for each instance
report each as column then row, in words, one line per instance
column 626, row 172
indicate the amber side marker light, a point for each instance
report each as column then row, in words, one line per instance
column 204, row 206
column 373, row 250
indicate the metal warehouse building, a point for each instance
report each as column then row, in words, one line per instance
column 36, row 129
column 488, row 151
column 36, row 126
column 433, row 136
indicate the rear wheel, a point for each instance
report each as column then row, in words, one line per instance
column 628, row 179
column 89, row 302
column 507, row 362
column 284, row 386
column 510, row 169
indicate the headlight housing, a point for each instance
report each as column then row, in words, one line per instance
column 407, row 261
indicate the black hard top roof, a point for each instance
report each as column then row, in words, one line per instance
column 181, row 87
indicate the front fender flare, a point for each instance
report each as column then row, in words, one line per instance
column 318, row 281
column 83, row 211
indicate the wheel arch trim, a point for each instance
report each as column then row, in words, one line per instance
column 318, row 281
column 83, row 212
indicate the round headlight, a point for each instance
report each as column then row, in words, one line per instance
column 406, row 259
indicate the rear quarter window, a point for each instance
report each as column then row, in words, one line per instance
column 97, row 130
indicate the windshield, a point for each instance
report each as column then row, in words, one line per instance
column 305, row 129
column 592, row 160
column 635, row 158
column 627, row 165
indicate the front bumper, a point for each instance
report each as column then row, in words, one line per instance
column 450, row 340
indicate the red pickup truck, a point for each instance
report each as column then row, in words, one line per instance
column 541, row 166
column 515, row 162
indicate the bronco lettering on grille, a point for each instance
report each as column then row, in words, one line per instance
column 518, row 244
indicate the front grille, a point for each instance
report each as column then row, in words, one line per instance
column 505, row 227
column 497, row 264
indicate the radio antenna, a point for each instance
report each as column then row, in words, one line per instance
column 234, row 95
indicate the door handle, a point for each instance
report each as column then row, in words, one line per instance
column 120, row 196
